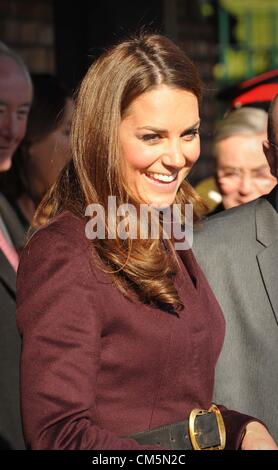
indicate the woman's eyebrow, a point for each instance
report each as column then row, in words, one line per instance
column 163, row 131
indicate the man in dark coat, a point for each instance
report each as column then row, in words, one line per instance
column 15, row 101
column 238, row 251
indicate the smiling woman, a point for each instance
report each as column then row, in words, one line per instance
column 159, row 138
column 125, row 332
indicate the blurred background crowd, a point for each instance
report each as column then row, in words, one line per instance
column 234, row 43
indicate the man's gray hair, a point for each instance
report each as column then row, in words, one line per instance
column 243, row 121
column 246, row 121
column 6, row 51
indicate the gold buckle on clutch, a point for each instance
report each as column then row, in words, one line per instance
column 221, row 428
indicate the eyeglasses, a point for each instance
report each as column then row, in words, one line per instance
column 272, row 144
column 259, row 176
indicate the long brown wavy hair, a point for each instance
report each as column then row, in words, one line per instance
column 139, row 268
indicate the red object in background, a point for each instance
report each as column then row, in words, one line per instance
column 257, row 91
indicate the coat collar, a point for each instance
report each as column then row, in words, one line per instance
column 17, row 234
column 267, row 235
column 267, row 219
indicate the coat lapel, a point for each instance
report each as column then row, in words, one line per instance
column 267, row 235
column 12, row 223
column 16, row 232
column 7, row 274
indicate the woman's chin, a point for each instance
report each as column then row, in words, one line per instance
column 161, row 204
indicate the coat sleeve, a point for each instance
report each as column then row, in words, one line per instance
column 60, row 325
column 235, row 424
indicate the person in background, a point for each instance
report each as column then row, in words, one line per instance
column 15, row 102
column 121, row 333
column 257, row 93
column 242, row 171
column 238, row 251
column 44, row 150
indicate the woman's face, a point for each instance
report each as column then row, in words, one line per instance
column 159, row 141
column 49, row 155
column 243, row 173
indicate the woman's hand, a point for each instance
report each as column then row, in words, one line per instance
column 257, row 437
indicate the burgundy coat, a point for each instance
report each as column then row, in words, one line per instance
column 97, row 367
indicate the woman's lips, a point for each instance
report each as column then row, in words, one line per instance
column 167, row 185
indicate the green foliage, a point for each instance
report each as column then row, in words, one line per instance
column 256, row 33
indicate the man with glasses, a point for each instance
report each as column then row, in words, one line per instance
column 238, row 251
column 242, row 171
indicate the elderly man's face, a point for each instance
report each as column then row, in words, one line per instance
column 243, row 173
column 15, row 102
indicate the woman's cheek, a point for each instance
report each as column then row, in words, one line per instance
column 140, row 157
column 197, row 149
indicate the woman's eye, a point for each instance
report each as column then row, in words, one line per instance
column 190, row 134
column 150, row 137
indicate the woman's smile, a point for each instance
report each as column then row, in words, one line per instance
column 163, row 182
column 159, row 138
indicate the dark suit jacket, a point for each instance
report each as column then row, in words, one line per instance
column 10, row 420
column 97, row 367
column 238, row 251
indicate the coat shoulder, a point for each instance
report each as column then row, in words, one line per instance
column 229, row 220
column 227, row 229
column 65, row 225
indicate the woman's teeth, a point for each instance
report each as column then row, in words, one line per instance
column 163, row 178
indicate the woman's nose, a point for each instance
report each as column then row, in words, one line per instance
column 173, row 155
